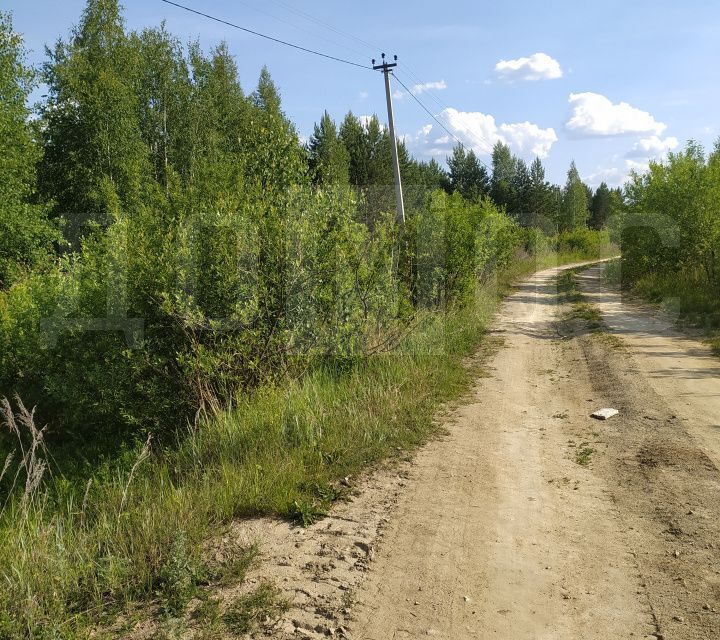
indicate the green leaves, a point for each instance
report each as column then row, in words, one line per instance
column 26, row 235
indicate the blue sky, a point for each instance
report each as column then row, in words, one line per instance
column 608, row 84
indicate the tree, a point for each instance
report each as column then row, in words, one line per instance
column 26, row 235
column 355, row 138
column 467, row 175
column 574, row 209
column 539, row 199
column 163, row 86
column 519, row 207
column 96, row 164
column 328, row 157
column 601, row 207
column 267, row 96
column 503, row 166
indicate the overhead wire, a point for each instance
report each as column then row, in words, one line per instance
column 301, row 28
column 267, row 37
column 318, row 21
column 307, row 16
column 434, row 117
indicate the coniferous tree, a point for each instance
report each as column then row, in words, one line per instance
column 354, row 137
column 601, row 207
column 519, row 207
column 467, row 175
column 328, row 157
column 503, row 166
column 539, row 201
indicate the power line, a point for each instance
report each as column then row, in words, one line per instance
column 432, row 115
column 320, row 22
column 301, row 28
column 267, row 37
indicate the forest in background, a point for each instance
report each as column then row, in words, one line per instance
column 213, row 319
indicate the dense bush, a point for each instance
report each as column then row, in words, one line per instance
column 672, row 221
column 583, row 241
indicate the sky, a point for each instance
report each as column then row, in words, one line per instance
column 608, row 84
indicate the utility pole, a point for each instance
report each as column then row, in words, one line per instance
column 385, row 68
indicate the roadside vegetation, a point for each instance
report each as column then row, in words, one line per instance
column 202, row 319
column 669, row 231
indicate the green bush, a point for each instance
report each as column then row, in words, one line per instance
column 583, row 241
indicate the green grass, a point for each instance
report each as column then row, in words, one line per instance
column 263, row 606
column 583, row 456
column 580, row 309
column 76, row 556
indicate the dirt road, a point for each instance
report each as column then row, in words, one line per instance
column 530, row 520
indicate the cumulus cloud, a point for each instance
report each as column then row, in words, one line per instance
column 617, row 176
column 539, row 66
column 594, row 115
column 429, row 86
column 479, row 132
column 529, row 139
column 653, row 147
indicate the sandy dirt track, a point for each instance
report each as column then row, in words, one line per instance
column 504, row 535
column 529, row 520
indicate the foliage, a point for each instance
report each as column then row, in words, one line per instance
column 574, row 210
column 26, row 235
column 467, row 175
column 254, row 307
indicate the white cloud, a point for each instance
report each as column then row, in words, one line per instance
column 539, row 66
column 364, row 95
column 594, row 115
column 529, row 139
column 617, row 176
column 398, row 95
column 480, row 132
column 613, row 177
column 428, row 86
column 652, row 147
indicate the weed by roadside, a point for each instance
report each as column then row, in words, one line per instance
column 260, row 608
column 584, row 454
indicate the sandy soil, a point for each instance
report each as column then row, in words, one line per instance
column 529, row 520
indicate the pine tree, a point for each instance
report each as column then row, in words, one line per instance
column 539, row 198
column 328, row 157
column 574, row 211
column 26, row 236
column 354, row 137
column 519, row 208
column 467, row 175
column 601, row 207
column 503, row 166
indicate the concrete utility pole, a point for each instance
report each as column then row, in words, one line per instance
column 385, row 68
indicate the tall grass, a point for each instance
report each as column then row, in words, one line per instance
column 78, row 555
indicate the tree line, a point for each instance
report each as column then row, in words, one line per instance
column 167, row 239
